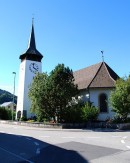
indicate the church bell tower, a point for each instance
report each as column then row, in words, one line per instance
column 29, row 66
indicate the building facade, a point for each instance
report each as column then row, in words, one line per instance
column 29, row 66
column 9, row 105
column 95, row 84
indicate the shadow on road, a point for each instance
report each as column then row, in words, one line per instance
column 25, row 149
column 54, row 154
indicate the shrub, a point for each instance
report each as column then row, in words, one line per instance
column 23, row 119
column 72, row 114
column 6, row 114
column 89, row 112
column 119, row 119
column 81, row 112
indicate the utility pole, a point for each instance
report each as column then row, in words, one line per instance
column 14, row 73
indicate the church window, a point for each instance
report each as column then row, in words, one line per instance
column 103, row 102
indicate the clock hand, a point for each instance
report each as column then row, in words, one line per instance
column 35, row 67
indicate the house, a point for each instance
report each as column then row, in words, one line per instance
column 95, row 84
column 8, row 105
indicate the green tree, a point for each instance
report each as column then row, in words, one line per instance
column 38, row 94
column 50, row 94
column 62, row 89
column 120, row 98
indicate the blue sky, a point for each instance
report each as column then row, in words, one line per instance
column 72, row 32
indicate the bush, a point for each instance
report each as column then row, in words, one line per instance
column 89, row 112
column 72, row 114
column 81, row 112
column 23, row 119
column 118, row 119
column 6, row 114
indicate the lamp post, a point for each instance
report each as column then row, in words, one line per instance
column 14, row 73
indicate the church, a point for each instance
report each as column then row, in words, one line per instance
column 29, row 66
column 95, row 82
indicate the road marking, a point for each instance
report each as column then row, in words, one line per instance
column 36, row 143
column 16, row 155
column 122, row 141
column 128, row 146
column 38, row 151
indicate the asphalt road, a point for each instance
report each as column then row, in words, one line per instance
column 20, row 144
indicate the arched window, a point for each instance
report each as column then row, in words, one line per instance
column 103, row 102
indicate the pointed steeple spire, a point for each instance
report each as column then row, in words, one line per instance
column 32, row 53
column 32, row 43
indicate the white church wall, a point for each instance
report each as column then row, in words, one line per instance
column 25, row 79
column 94, row 97
column 28, row 80
column 20, row 100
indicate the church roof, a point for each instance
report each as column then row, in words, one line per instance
column 99, row 75
column 31, row 52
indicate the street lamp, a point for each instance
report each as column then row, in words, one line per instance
column 14, row 73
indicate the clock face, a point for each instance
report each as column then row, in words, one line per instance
column 33, row 67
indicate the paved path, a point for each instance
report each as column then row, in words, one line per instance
column 28, row 144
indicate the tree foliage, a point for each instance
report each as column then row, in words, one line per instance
column 50, row 94
column 39, row 96
column 62, row 88
column 6, row 114
column 120, row 98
